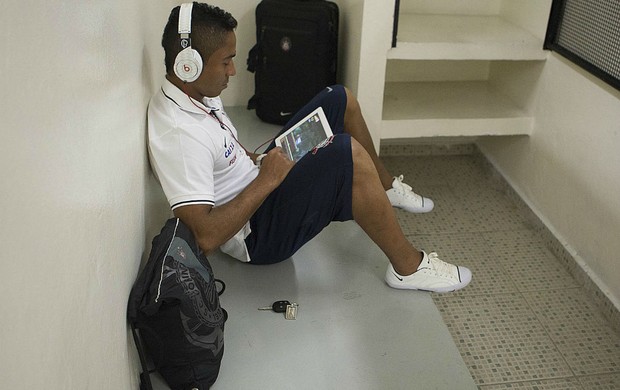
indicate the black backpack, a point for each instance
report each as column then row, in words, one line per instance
column 175, row 314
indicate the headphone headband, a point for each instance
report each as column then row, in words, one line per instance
column 185, row 18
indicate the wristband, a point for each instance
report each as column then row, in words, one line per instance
column 259, row 159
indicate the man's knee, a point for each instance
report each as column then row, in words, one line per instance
column 360, row 156
column 353, row 106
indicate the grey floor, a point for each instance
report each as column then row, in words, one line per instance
column 523, row 323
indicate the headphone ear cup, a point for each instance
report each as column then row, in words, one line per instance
column 188, row 65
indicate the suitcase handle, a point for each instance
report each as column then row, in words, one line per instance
column 253, row 58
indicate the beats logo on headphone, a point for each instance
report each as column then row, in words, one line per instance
column 188, row 63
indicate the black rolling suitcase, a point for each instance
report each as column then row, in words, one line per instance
column 295, row 56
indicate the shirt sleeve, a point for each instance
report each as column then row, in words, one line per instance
column 183, row 162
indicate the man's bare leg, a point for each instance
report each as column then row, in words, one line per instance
column 400, row 194
column 355, row 125
column 410, row 268
column 379, row 220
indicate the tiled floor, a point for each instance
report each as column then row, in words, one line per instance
column 524, row 322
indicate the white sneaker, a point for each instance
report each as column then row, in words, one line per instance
column 433, row 275
column 402, row 196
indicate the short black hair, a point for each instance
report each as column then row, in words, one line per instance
column 210, row 26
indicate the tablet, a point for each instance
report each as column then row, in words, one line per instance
column 305, row 135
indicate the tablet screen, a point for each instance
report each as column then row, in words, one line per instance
column 305, row 135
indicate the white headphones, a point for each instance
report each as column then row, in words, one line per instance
column 188, row 63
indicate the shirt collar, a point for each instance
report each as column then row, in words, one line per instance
column 182, row 100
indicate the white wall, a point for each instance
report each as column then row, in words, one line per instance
column 375, row 41
column 568, row 170
column 79, row 203
column 469, row 7
column 76, row 193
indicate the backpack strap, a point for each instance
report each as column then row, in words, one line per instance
column 145, row 375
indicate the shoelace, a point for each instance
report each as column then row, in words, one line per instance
column 440, row 266
column 402, row 186
column 406, row 189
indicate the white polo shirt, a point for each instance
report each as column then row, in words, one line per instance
column 195, row 155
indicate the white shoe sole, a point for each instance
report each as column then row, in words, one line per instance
column 394, row 280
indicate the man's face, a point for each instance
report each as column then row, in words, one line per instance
column 217, row 69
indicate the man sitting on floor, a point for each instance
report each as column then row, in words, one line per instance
column 264, row 215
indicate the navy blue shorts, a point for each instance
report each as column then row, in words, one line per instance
column 316, row 191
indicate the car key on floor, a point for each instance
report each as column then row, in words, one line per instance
column 278, row 306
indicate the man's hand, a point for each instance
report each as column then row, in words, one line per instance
column 213, row 226
column 275, row 166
